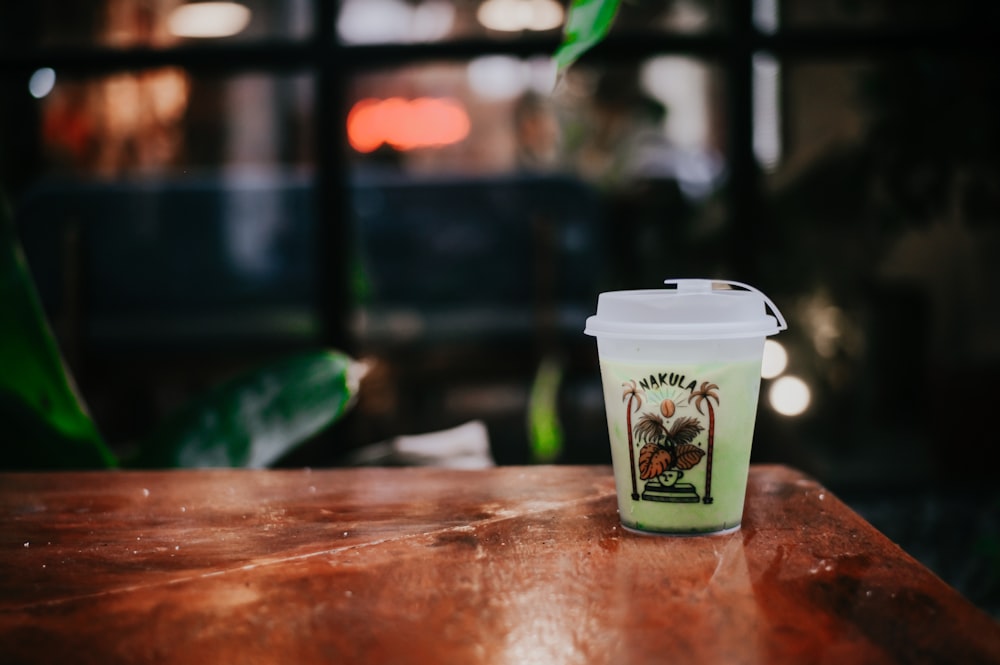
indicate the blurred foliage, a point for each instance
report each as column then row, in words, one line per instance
column 254, row 419
column 250, row 420
column 45, row 421
column 545, row 432
column 587, row 23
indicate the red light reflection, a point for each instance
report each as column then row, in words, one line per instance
column 406, row 124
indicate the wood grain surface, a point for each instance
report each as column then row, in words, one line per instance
column 511, row 565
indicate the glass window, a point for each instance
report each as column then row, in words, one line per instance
column 885, row 14
column 402, row 21
column 186, row 203
column 671, row 16
column 166, row 120
column 660, row 118
column 153, row 23
column 884, row 208
column 647, row 140
column 407, row 21
column 489, row 210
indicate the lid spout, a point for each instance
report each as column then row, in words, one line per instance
column 691, row 285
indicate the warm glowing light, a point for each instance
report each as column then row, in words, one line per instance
column 432, row 20
column 208, row 19
column 775, row 359
column 789, row 396
column 41, row 82
column 372, row 21
column 406, row 124
column 386, row 21
column 498, row 77
column 517, row 15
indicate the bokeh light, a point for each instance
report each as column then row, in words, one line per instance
column 775, row 359
column 209, row 19
column 789, row 396
column 405, row 124
column 41, row 82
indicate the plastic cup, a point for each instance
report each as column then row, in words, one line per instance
column 680, row 367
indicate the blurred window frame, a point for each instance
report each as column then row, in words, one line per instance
column 744, row 33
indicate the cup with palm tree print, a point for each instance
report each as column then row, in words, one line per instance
column 680, row 367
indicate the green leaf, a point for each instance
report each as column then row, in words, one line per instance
column 31, row 443
column 587, row 23
column 38, row 388
column 544, row 429
column 255, row 418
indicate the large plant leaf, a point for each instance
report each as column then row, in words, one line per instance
column 255, row 418
column 38, row 390
column 587, row 23
column 31, row 443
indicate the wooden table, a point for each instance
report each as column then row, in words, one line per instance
column 513, row 565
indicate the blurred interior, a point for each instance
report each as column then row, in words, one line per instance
column 407, row 180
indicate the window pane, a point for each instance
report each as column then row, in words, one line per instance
column 209, row 176
column 884, row 237
column 891, row 14
column 497, row 114
column 157, row 23
column 406, row 21
column 166, row 121
column 671, row 16
column 170, row 220
column 482, row 250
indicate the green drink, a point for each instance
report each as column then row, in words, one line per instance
column 681, row 376
column 680, row 442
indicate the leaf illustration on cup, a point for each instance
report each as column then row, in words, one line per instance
column 667, row 448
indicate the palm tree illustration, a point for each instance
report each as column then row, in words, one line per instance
column 634, row 396
column 667, row 448
column 706, row 394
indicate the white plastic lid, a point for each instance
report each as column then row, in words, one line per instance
column 693, row 309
